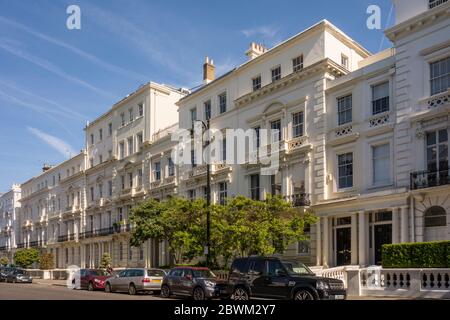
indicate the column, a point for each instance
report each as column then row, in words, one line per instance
column 363, row 235
column 318, row 244
column 326, row 231
column 404, row 235
column 82, row 256
column 354, row 240
column 395, row 225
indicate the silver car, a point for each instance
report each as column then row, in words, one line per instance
column 136, row 280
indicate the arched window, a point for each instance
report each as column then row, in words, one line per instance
column 435, row 217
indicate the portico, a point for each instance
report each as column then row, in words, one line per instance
column 351, row 236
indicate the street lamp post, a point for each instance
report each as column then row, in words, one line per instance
column 208, row 193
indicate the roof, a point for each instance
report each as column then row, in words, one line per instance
column 323, row 23
column 140, row 89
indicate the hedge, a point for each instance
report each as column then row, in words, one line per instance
column 416, row 255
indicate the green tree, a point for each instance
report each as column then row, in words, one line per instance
column 26, row 257
column 4, row 261
column 46, row 261
column 240, row 228
column 177, row 221
column 106, row 261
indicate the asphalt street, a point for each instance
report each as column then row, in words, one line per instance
column 35, row 291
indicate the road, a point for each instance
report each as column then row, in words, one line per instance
column 47, row 291
column 35, row 291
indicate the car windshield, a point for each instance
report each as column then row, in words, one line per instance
column 297, row 268
column 21, row 272
column 155, row 273
column 98, row 273
column 206, row 273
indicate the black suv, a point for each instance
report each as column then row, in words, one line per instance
column 267, row 277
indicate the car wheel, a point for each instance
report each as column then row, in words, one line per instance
column 199, row 294
column 303, row 294
column 239, row 294
column 132, row 289
column 165, row 291
column 108, row 288
column 90, row 286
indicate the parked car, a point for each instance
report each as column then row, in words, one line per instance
column 136, row 280
column 272, row 278
column 19, row 275
column 4, row 273
column 93, row 279
column 198, row 283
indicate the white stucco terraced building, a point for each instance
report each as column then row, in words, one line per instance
column 363, row 142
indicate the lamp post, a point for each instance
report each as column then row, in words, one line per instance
column 208, row 192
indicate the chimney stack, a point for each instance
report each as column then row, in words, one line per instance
column 208, row 71
column 255, row 50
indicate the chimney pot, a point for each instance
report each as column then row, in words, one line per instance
column 208, row 71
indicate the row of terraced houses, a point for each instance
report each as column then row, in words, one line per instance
column 363, row 142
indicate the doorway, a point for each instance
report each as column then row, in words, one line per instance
column 343, row 246
column 382, row 235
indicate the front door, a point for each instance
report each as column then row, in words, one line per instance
column 382, row 235
column 343, row 246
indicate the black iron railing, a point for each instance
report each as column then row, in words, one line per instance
column 64, row 238
column 20, row 245
column 34, row 244
column 105, row 231
column 299, row 200
column 429, row 179
column 4, row 248
column 435, row 3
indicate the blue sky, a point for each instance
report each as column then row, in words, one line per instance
column 52, row 80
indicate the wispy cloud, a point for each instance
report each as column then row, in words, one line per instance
column 56, row 143
column 155, row 44
column 226, row 65
column 50, row 67
column 56, row 108
column 10, row 98
column 268, row 32
column 83, row 54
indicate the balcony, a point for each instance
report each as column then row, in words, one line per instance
column 87, row 234
column 104, row 231
column 67, row 237
column 434, row 3
column 429, row 179
column 4, row 248
column 20, row 245
column 299, row 200
column 33, row 244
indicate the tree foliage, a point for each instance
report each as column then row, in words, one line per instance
column 46, row 261
column 4, row 261
column 26, row 257
column 242, row 227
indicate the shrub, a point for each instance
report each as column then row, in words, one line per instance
column 46, row 261
column 26, row 257
column 417, row 255
column 106, row 261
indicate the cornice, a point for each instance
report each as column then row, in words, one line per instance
column 419, row 22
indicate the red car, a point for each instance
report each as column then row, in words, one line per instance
column 93, row 279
